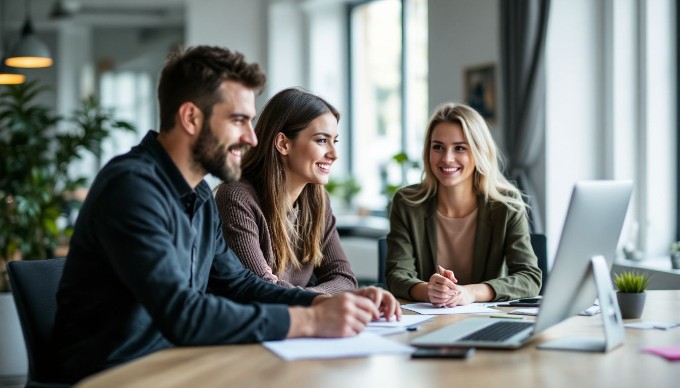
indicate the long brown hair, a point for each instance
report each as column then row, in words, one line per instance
column 488, row 179
column 289, row 112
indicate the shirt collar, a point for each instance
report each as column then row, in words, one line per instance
column 168, row 166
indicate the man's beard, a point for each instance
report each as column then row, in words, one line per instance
column 211, row 156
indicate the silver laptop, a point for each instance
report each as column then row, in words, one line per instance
column 591, row 229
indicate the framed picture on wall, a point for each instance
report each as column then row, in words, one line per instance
column 480, row 89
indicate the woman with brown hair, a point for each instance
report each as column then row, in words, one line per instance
column 278, row 219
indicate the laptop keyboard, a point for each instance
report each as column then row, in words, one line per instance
column 497, row 332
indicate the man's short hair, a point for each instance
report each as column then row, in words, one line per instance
column 195, row 74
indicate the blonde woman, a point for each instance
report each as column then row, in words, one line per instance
column 452, row 235
column 278, row 218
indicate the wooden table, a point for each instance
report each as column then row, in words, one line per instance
column 254, row 366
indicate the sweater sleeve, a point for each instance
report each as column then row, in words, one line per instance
column 334, row 274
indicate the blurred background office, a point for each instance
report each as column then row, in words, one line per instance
column 606, row 106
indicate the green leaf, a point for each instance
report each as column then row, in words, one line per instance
column 631, row 281
column 34, row 167
column 400, row 158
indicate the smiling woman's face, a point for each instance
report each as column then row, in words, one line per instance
column 450, row 156
column 309, row 157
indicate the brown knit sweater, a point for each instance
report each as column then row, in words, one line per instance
column 247, row 233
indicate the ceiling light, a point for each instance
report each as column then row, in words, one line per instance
column 8, row 75
column 29, row 51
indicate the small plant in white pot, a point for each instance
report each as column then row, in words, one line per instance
column 675, row 255
column 631, row 295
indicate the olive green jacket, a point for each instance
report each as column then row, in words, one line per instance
column 501, row 236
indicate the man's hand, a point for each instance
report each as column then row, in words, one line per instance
column 342, row 315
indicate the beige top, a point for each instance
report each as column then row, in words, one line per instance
column 455, row 241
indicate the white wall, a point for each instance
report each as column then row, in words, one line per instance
column 462, row 33
column 287, row 46
column 610, row 101
column 660, row 106
column 621, row 103
column 297, row 43
column 327, row 64
column 573, row 101
column 237, row 24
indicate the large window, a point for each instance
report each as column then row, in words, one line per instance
column 388, row 94
column 130, row 95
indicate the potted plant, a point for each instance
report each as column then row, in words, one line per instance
column 406, row 166
column 675, row 255
column 35, row 183
column 34, row 170
column 631, row 294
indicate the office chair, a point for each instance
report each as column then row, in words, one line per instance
column 540, row 246
column 34, row 287
column 382, row 258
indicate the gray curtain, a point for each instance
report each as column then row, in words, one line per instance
column 523, row 33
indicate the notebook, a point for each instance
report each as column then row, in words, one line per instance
column 591, row 229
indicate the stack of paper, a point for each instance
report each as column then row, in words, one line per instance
column 428, row 308
column 364, row 344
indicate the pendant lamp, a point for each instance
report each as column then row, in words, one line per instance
column 29, row 51
column 8, row 75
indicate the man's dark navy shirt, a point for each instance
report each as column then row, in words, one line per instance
column 148, row 268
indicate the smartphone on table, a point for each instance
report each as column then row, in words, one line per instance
column 526, row 302
column 443, row 352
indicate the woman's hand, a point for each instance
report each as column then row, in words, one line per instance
column 471, row 293
column 384, row 301
column 442, row 288
column 464, row 295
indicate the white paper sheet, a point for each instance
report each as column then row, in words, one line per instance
column 652, row 325
column 364, row 344
column 383, row 331
column 383, row 327
column 406, row 321
column 428, row 308
column 525, row 311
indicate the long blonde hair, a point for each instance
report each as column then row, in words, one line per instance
column 488, row 179
column 289, row 112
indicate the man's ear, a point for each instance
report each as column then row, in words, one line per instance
column 190, row 118
column 282, row 143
